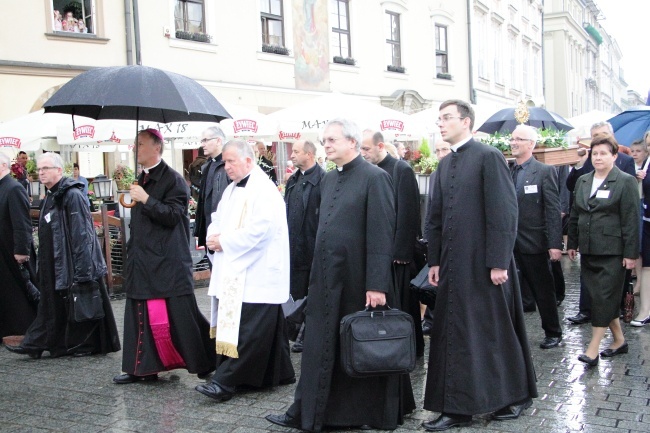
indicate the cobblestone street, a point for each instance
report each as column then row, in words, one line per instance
column 77, row 394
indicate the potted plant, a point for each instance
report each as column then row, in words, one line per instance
column 399, row 69
column 275, row 49
column 428, row 164
column 344, row 60
column 443, row 76
column 180, row 34
column 123, row 176
column 339, row 59
column 201, row 37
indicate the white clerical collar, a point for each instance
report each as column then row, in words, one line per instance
column 456, row 146
column 146, row 170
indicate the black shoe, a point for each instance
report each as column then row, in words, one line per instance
column 82, row 354
column 530, row 309
column 512, row 411
column 559, row 302
column 284, row 420
column 131, row 378
column 587, row 360
column 550, row 342
column 288, row 381
column 214, row 391
column 579, row 319
column 20, row 350
column 297, row 347
column 608, row 353
column 446, row 421
column 426, row 328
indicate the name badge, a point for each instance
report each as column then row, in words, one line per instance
column 530, row 189
column 601, row 193
column 48, row 218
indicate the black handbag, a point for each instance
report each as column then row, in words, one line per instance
column 424, row 292
column 377, row 343
column 85, row 302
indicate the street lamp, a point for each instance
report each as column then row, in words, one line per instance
column 423, row 183
column 103, row 186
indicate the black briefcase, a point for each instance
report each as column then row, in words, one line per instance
column 377, row 343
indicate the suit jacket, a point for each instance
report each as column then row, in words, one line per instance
column 607, row 225
column 539, row 225
column 16, row 227
column 209, row 196
column 624, row 162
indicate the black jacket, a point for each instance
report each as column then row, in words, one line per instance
column 624, row 162
column 209, row 196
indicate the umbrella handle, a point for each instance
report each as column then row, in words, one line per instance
column 128, row 205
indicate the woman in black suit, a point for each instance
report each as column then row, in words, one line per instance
column 604, row 226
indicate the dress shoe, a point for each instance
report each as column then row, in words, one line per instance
column 608, row 353
column 550, row 342
column 512, row 411
column 284, row 420
column 587, row 360
column 82, row 354
column 426, row 328
column 530, row 309
column 579, row 319
column 558, row 302
column 288, row 381
column 447, row 421
column 297, row 347
column 639, row 323
column 214, row 391
column 33, row 353
column 131, row 378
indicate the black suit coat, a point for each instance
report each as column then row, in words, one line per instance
column 15, row 223
column 539, row 225
column 209, row 196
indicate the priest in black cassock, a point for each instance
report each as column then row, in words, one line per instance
column 16, row 311
column 479, row 359
column 407, row 224
column 352, row 269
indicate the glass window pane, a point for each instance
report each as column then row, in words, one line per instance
column 195, row 17
column 276, row 7
column 264, row 6
column 275, row 32
column 397, row 61
column 443, row 39
column 178, row 16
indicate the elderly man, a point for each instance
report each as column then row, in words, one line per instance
column 214, row 180
column 265, row 164
column 163, row 327
column 479, row 358
column 401, row 150
column 407, row 230
column 68, row 255
column 17, row 307
column 539, row 228
column 250, row 280
column 352, row 268
column 302, row 198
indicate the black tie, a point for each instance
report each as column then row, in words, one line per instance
column 515, row 172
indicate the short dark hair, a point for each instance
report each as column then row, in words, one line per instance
column 605, row 139
column 22, row 152
column 464, row 108
column 377, row 138
column 75, row 165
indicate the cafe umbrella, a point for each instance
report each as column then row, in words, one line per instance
column 136, row 93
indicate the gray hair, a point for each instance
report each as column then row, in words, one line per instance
column 4, row 159
column 56, row 159
column 349, row 129
column 600, row 125
column 216, row 132
column 242, row 147
column 529, row 131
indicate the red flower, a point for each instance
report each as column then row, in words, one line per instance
column 17, row 170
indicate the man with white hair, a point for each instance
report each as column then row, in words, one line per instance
column 539, row 228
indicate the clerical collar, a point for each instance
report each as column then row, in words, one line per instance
column 456, row 146
column 147, row 170
column 309, row 170
column 244, row 181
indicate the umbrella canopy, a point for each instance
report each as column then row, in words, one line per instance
column 504, row 121
column 137, row 93
column 631, row 125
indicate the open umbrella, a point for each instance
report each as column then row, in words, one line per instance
column 631, row 125
column 504, row 121
column 137, row 93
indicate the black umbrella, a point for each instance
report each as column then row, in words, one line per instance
column 504, row 121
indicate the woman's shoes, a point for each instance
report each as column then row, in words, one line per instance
column 640, row 323
column 608, row 353
column 34, row 354
column 587, row 360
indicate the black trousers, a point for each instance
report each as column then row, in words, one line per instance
column 558, row 279
column 536, row 272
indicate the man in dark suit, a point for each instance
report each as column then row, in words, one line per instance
column 625, row 163
column 539, row 228
column 214, row 180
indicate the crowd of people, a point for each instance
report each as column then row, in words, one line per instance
column 68, row 23
column 342, row 241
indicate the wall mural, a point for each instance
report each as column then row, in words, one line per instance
column 311, row 44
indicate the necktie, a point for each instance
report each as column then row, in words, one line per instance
column 515, row 172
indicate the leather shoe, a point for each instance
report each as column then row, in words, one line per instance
column 512, row 411
column 447, row 421
column 214, row 391
column 550, row 342
column 608, row 353
column 579, row 319
column 297, row 347
column 284, row 420
column 20, row 350
column 587, row 360
column 131, row 378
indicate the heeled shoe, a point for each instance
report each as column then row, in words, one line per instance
column 587, row 360
column 20, row 350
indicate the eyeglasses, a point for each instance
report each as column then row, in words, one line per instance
column 45, row 168
column 331, row 140
column 446, row 119
column 442, row 149
column 205, row 140
column 518, row 140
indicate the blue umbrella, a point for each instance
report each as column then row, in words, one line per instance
column 630, row 125
column 503, row 121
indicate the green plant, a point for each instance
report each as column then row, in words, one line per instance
column 552, row 138
column 500, row 141
column 67, row 169
column 123, row 176
column 428, row 164
column 425, row 150
column 329, row 166
column 31, row 167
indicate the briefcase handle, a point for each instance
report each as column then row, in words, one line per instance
column 373, row 310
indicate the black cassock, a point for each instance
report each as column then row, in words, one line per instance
column 479, row 358
column 16, row 312
column 353, row 254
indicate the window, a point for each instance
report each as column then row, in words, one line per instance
column 514, row 70
column 189, row 16
column 482, row 46
column 272, row 22
column 394, row 51
column 340, row 16
column 73, row 16
column 442, row 61
column 497, row 43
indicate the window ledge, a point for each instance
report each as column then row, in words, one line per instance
column 78, row 37
column 396, row 75
column 444, row 82
column 278, row 58
column 344, row 68
column 193, row 45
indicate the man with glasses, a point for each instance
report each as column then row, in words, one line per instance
column 479, row 358
column 214, row 181
column 539, row 229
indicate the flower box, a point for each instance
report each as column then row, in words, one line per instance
column 443, row 76
column 197, row 37
column 344, row 60
column 557, row 155
column 275, row 49
column 393, row 68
